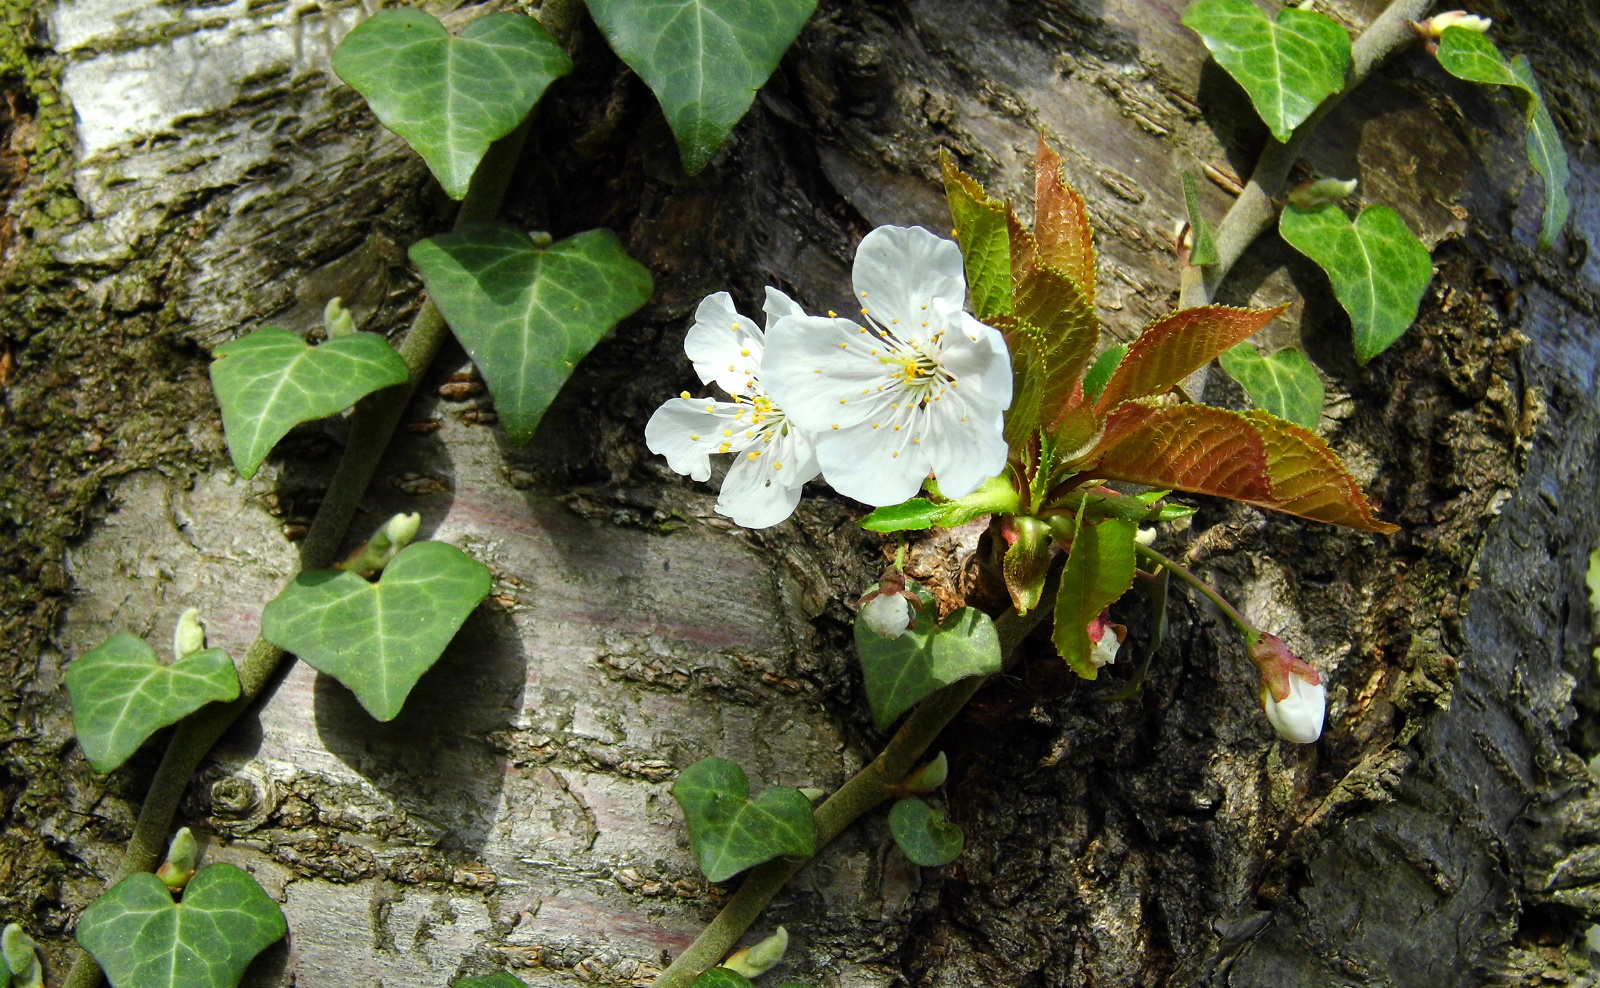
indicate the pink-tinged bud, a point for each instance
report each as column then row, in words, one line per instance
column 1292, row 694
column 1105, row 639
column 888, row 615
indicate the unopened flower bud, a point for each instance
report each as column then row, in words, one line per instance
column 887, row 614
column 189, row 635
column 1105, row 639
column 395, row 535
column 1434, row 26
column 1292, row 694
column 176, row 871
column 758, row 959
column 1320, row 191
column 930, row 776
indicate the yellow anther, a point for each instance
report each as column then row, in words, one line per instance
column 694, row 435
column 861, row 328
column 897, row 428
column 753, row 454
column 836, row 425
column 875, row 425
column 924, row 306
column 841, row 401
column 935, row 335
column 749, row 433
column 896, row 320
column 746, row 352
column 727, row 432
column 776, row 465
column 723, row 448
column 817, row 371
column 863, row 311
column 916, row 440
column 711, row 408
column 844, row 346
column 684, row 395
column 735, row 325
column 863, row 294
column 894, row 454
column 832, row 314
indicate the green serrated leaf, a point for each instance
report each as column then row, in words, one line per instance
column 1101, row 370
column 728, row 830
column 704, row 59
column 271, row 381
column 900, row 672
column 499, row 979
column 908, row 516
column 721, row 977
column 1470, row 55
column 379, row 638
column 1378, row 267
column 142, row 939
column 1284, row 383
column 450, row 98
column 923, row 834
column 1288, row 66
column 980, row 229
column 121, row 694
column 527, row 315
column 1099, row 569
column 1204, row 249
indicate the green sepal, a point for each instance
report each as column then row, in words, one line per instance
column 1027, row 562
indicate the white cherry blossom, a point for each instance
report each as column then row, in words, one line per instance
column 1297, row 717
column 888, row 615
column 923, row 386
column 773, row 459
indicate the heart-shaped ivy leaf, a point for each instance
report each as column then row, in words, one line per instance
column 704, row 59
column 1287, row 66
column 379, row 638
column 728, row 830
column 450, row 98
column 923, row 833
column 721, row 977
column 270, row 381
column 1284, row 383
column 1470, row 55
column 526, row 315
column 121, row 694
column 499, row 979
column 142, row 939
column 1378, row 267
column 899, row 672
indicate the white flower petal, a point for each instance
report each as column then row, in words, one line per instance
column 877, row 466
column 688, row 430
column 888, row 615
column 797, row 453
column 779, row 305
column 753, row 495
column 981, row 366
column 725, row 346
column 824, row 372
column 964, row 446
column 900, row 269
column 1298, row 716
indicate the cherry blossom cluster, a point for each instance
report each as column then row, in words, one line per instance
column 916, row 387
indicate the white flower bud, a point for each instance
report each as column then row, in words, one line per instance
column 1456, row 18
column 1297, row 717
column 1105, row 639
column 889, row 615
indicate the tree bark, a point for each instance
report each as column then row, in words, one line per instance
column 178, row 174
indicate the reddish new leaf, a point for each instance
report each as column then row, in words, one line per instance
column 1170, row 350
column 1066, row 328
column 1309, row 480
column 1064, row 239
column 1251, row 457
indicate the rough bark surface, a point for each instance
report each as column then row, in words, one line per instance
column 178, row 173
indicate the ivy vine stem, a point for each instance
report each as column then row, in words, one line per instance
column 1252, row 214
column 371, row 428
column 866, row 789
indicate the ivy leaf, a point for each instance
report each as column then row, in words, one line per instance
column 704, row 59
column 1204, row 249
column 450, row 98
column 1168, row 351
column 271, row 381
column 379, row 638
column 980, row 229
column 1283, row 383
column 121, row 694
column 1288, row 66
column 1094, row 382
column 1251, row 457
column 900, row 672
column 1378, row 267
column 527, row 315
column 923, row 834
column 142, row 939
column 499, row 979
column 728, row 830
column 1099, row 569
column 721, row 977
column 1470, row 55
